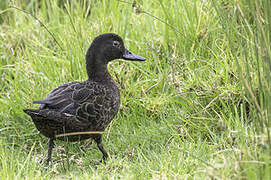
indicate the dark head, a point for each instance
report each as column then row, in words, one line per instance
column 105, row 48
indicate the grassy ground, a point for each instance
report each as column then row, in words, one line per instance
column 199, row 107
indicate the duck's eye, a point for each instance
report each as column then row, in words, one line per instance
column 116, row 44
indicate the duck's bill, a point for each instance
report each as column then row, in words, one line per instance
column 132, row 57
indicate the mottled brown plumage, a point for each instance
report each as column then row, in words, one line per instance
column 84, row 106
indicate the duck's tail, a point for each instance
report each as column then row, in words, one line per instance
column 34, row 112
column 31, row 111
column 46, row 114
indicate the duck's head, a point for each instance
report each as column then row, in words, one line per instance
column 107, row 47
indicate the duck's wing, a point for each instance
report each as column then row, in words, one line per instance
column 67, row 97
column 60, row 98
column 75, row 106
column 86, row 100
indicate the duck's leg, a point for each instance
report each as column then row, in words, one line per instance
column 98, row 140
column 51, row 145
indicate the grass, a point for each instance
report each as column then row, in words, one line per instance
column 199, row 107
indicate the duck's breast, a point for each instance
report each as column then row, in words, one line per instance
column 101, row 107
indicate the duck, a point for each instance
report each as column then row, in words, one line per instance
column 77, row 111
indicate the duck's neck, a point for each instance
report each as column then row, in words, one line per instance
column 96, row 70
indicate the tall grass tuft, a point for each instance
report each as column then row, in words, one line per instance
column 247, row 27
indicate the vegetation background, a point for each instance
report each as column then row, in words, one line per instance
column 199, row 107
